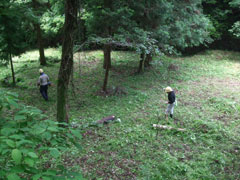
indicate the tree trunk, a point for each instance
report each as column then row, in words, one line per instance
column 107, row 56
column 12, row 68
column 108, row 33
column 40, row 45
column 67, row 59
column 107, row 60
column 37, row 27
column 140, row 68
column 148, row 60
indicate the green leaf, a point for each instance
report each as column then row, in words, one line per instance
column 5, row 151
column 76, row 133
column 54, row 152
column 13, row 94
column 53, row 129
column 46, row 178
column 17, row 156
column 50, row 173
column 2, row 173
column 30, row 162
column 77, row 145
column 19, row 117
column 15, row 136
column 19, row 143
column 39, row 130
column 7, row 131
column 13, row 103
column 13, row 176
column 17, row 169
column 47, row 136
column 32, row 155
column 36, row 176
column 10, row 143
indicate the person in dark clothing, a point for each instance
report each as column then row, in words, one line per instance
column 43, row 82
column 171, row 102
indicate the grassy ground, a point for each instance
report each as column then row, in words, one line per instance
column 207, row 87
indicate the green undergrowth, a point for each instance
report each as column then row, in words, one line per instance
column 207, row 87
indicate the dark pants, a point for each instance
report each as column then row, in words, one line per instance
column 43, row 91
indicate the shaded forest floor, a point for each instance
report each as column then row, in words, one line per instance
column 207, row 88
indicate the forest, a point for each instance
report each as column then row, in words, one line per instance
column 119, row 90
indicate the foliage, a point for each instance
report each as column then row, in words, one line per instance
column 188, row 25
column 223, row 14
column 28, row 140
column 52, row 20
column 11, row 31
column 235, row 30
column 171, row 24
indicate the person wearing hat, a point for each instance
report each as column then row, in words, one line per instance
column 171, row 102
column 43, row 82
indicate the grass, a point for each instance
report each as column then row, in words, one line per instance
column 207, row 87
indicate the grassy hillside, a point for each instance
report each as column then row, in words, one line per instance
column 207, row 87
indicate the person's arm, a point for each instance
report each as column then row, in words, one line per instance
column 48, row 79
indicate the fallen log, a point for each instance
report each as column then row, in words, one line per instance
column 106, row 120
column 167, row 127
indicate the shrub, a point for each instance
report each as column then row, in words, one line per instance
column 27, row 137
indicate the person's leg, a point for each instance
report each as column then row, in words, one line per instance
column 46, row 92
column 171, row 111
column 167, row 111
column 42, row 91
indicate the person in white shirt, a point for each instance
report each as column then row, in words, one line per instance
column 171, row 102
column 43, row 82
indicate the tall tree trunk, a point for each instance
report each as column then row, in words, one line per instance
column 12, row 69
column 40, row 45
column 37, row 27
column 148, row 59
column 107, row 56
column 141, row 63
column 107, row 47
column 107, row 60
column 67, row 59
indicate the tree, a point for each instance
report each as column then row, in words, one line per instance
column 43, row 20
column 12, row 41
column 188, row 25
column 223, row 14
column 105, row 21
column 52, row 22
column 66, row 68
column 36, row 4
column 168, row 25
column 235, row 30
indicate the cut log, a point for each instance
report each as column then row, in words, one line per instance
column 106, row 120
column 167, row 127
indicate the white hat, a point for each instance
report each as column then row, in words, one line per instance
column 168, row 89
column 40, row 70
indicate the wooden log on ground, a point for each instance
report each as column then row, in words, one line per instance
column 106, row 120
column 167, row 127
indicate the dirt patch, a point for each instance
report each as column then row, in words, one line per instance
column 108, row 167
column 205, row 88
column 217, row 83
column 173, row 67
